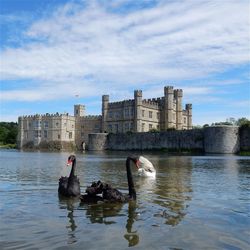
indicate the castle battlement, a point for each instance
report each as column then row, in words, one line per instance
column 121, row 103
column 91, row 117
column 150, row 104
column 42, row 116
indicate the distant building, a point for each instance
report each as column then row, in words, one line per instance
column 136, row 115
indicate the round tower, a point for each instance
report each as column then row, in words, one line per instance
column 178, row 94
column 105, row 104
column 168, row 107
column 189, row 115
column 137, row 113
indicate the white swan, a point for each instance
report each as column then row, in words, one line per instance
column 145, row 167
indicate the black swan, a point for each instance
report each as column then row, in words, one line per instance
column 70, row 186
column 107, row 192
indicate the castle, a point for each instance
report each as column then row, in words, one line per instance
column 136, row 115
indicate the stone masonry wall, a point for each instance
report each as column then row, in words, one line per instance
column 173, row 140
column 220, row 139
column 245, row 138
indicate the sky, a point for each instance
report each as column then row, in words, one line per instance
column 57, row 53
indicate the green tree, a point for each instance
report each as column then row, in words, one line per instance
column 8, row 132
column 243, row 122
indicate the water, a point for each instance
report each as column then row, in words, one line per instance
column 195, row 202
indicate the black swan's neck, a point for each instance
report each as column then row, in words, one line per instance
column 131, row 188
column 72, row 172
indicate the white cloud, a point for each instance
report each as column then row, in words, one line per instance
column 51, row 92
column 170, row 41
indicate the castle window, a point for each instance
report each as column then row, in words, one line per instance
column 110, row 114
column 126, row 127
column 37, row 133
column 46, row 124
column 110, row 128
column 57, row 124
column 37, row 124
column 185, row 120
column 131, row 126
column 131, row 112
column 158, row 115
column 150, row 114
column 82, row 134
column 117, row 115
column 45, row 133
column 158, row 127
column 59, row 137
column 126, row 112
column 143, row 127
column 150, row 126
column 142, row 113
column 116, row 128
column 70, row 135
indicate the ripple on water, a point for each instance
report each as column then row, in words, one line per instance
column 194, row 203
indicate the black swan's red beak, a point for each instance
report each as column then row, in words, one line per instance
column 69, row 162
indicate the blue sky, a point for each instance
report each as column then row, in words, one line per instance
column 56, row 53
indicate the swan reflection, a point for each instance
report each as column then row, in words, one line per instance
column 131, row 235
column 107, row 213
column 69, row 204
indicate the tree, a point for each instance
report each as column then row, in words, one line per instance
column 8, row 132
column 243, row 122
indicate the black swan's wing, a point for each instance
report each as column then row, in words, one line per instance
column 62, row 187
column 73, row 187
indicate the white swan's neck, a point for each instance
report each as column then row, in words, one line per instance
column 143, row 172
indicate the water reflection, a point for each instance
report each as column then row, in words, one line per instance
column 103, row 213
column 108, row 213
column 173, row 189
column 69, row 204
column 131, row 235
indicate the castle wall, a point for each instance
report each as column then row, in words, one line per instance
column 39, row 128
column 150, row 116
column 120, row 117
column 97, row 141
column 245, row 138
column 84, row 126
column 221, row 140
column 173, row 140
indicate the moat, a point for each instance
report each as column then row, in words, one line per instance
column 195, row 202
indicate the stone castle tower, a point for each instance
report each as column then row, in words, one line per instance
column 142, row 115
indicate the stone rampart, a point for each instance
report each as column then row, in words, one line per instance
column 221, row 139
column 97, row 141
column 172, row 140
column 218, row 139
column 245, row 138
